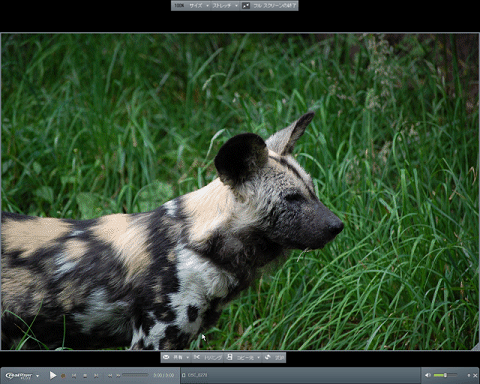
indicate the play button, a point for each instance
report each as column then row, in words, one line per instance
column 52, row 375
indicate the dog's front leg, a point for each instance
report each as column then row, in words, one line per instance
column 157, row 334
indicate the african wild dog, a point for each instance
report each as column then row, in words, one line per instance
column 155, row 280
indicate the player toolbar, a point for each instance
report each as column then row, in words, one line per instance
column 222, row 357
column 257, row 5
column 239, row 375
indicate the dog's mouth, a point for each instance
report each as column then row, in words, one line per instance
column 311, row 246
column 303, row 247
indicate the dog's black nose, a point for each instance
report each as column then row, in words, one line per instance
column 335, row 226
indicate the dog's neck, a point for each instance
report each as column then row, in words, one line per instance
column 227, row 231
column 208, row 209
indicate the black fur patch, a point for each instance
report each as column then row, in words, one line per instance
column 192, row 313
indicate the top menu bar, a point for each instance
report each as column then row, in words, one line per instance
column 222, row 5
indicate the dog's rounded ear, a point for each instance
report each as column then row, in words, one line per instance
column 240, row 157
column 283, row 141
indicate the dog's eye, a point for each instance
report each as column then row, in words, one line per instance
column 294, row 197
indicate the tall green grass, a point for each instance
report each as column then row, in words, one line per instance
column 97, row 124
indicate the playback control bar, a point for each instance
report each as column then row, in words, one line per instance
column 239, row 375
column 224, row 5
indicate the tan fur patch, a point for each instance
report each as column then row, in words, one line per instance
column 67, row 296
column 30, row 235
column 207, row 209
column 72, row 294
column 128, row 236
column 159, row 297
column 17, row 285
column 171, row 256
column 74, row 250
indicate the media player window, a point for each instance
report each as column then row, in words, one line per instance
column 253, row 193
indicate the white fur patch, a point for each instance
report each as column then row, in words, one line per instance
column 99, row 312
column 199, row 277
column 156, row 333
column 200, row 281
column 63, row 266
column 137, row 336
column 171, row 207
